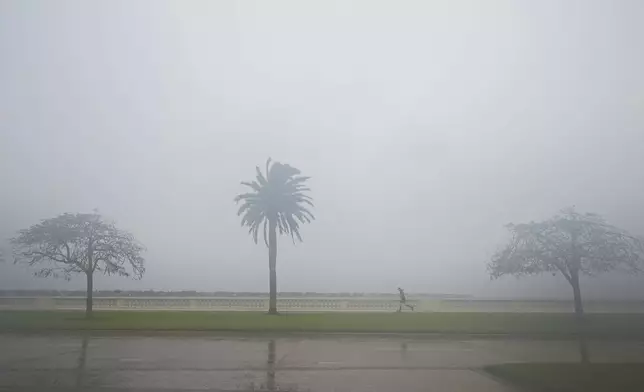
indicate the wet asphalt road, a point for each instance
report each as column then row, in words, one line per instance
column 349, row 363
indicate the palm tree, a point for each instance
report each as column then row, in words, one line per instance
column 276, row 203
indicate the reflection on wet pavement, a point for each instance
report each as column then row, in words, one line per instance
column 270, row 366
column 82, row 358
column 130, row 363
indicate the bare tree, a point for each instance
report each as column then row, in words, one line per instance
column 571, row 244
column 79, row 243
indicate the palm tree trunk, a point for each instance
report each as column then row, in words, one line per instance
column 579, row 316
column 272, row 262
column 90, row 291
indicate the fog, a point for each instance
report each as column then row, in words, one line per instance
column 425, row 125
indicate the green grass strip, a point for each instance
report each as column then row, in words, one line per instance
column 599, row 325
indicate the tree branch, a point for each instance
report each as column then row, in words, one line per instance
column 79, row 243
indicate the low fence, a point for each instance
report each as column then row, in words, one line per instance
column 199, row 304
column 313, row 304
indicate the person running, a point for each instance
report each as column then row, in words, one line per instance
column 403, row 301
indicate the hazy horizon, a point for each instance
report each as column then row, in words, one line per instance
column 425, row 126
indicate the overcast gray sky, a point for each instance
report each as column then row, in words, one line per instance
column 426, row 126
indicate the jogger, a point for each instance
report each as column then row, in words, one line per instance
column 403, row 301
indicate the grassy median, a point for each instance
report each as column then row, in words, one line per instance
column 573, row 377
column 599, row 325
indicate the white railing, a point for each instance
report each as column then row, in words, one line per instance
column 329, row 304
column 199, row 303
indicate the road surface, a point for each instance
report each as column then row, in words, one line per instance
column 332, row 363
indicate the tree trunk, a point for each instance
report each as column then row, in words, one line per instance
column 272, row 261
column 579, row 316
column 90, row 292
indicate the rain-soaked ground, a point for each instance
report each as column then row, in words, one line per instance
column 332, row 363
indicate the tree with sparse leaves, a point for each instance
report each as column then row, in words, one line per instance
column 276, row 203
column 79, row 243
column 571, row 244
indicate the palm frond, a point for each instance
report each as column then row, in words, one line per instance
column 284, row 224
column 245, row 196
column 260, row 177
column 253, row 185
column 295, row 228
column 278, row 200
column 265, row 233
column 243, row 208
column 295, row 181
column 268, row 165
column 302, row 217
column 305, row 201
column 307, row 212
